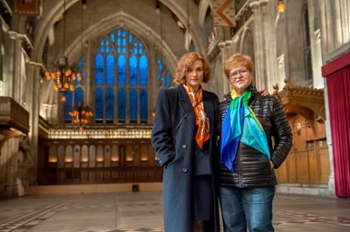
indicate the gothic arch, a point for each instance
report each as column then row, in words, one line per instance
column 99, row 29
column 247, row 43
column 55, row 9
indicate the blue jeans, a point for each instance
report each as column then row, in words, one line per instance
column 247, row 206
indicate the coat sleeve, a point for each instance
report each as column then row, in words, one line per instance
column 162, row 139
column 282, row 134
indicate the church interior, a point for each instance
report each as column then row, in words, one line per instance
column 79, row 82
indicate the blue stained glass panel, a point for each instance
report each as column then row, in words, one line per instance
column 133, row 104
column 133, row 70
column 164, row 81
column 68, row 105
column 124, row 42
column 121, row 71
column 124, row 33
column 99, row 69
column 169, row 81
column 140, row 51
column 160, row 66
column 110, row 70
column 119, row 33
column 130, row 38
column 121, row 104
column 135, row 50
column 143, row 104
column 79, row 96
column 143, row 71
column 110, row 104
column 99, row 104
column 112, row 37
column 124, row 51
column 102, row 46
column 119, row 42
column 118, row 50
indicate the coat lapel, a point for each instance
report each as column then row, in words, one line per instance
column 208, row 107
column 185, row 105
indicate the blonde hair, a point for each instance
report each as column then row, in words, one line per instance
column 186, row 61
column 238, row 59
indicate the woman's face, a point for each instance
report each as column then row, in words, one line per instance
column 194, row 74
column 240, row 78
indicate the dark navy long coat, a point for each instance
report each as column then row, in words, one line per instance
column 175, row 153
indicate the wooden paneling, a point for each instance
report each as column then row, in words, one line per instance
column 108, row 161
column 308, row 161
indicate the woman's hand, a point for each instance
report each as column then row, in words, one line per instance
column 265, row 93
column 272, row 166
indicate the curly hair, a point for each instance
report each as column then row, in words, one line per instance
column 238, row 59
column 186, row 61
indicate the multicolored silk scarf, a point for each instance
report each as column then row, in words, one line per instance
column 241, row 125
column 201, row 118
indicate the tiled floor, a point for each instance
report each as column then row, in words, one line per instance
column 142, row 211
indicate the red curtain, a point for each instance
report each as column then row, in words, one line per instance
column 338, row 87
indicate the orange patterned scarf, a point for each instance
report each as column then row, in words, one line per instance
column 201, row 118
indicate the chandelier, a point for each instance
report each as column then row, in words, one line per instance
column 64, row 75
column 81, row 115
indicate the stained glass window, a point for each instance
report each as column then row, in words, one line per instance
column 110, row 70
column 121, row 105
column 133, row 70
column 99, row 69
column 79, row 96
column 133, row 105
column 143, row 71
column 99, row 104
column 121, row 62
column 110, row 105
column 143, row 105
column 68, row 105
column 169, row 81
column 164, row 78
column 121, row 71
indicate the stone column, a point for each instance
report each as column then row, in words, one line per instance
column 259, row 48
column 225, row 48
column 33, row 106
column 50, row 111
column 330, row 27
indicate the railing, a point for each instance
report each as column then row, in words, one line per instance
column 13, row 115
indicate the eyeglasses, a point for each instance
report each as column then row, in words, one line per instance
column 235, row 75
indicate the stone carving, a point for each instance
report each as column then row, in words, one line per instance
column 26, row 162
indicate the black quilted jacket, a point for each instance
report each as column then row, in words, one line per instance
column 252, row 168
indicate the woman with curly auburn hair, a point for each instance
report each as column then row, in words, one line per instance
column 186, row 61
column 184, row 136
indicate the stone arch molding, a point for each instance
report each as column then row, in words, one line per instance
column 53, row 11
column 108, row 24
column 202, row 10
column 246, row 32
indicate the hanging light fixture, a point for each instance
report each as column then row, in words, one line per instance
column 281, row 7
column 81, row 115
column 62, row 73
